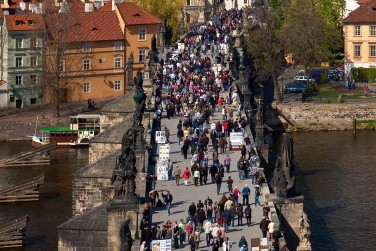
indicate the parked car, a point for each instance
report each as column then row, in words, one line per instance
column 295, row 87
column 302, row 78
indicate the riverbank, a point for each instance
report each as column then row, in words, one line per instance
column 18, row 124
column 329, row 117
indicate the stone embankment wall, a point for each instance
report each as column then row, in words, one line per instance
column 308, row 116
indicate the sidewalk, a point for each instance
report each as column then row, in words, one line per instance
column 183, row 196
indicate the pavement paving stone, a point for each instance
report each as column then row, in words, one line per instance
column 183, row 196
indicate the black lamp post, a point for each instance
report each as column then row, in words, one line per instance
column 136, row 234
column 149, row 106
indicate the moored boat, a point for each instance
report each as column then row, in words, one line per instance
column 81, row 129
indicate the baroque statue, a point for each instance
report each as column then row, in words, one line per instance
column 126, row 236
column 305, row 232
column 283, row 180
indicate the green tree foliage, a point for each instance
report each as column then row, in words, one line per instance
column 160, row 7
column 308, row 35
column 277, row 8
column 265, row 47
column 332, row 11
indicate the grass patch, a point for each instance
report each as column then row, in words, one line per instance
column 367, row 124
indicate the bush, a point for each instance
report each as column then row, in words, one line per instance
column 364, row 74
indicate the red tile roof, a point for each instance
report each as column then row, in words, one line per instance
column 365, row 13
column 22, row 22
column 135, row 15
column 95, row 26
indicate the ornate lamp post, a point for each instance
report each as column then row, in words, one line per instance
column 247, row 95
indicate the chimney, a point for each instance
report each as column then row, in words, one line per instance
column 89, row 7
column 22, row 5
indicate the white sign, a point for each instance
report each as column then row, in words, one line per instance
column 160, row 137
column 236, row 139
column 161, row 245
column 162, row 164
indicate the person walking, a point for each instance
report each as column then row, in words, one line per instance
column 218, row 181
column 245, row 193
column 168, row 200
column 248, row 215
column 182, row 232
column 170, row 167
column 229, row 184
column 167, row 134
column 227, row 163
column 257, row 196
column 264, row 223
column 196, row 176
column 271, row 229
column 186, row 145
column 215, row 244
column 177, row 173
column 153, row 195
column 239, row 210
column 243, row 243
column 186, row 176
column 207, row 229
column 227, row 244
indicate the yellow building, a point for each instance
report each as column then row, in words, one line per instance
column 360, row 37
column 97, row 45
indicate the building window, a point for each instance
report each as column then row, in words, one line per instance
column 86, row 47
column 188, row 17
column 118, row 45
column 18, row 23
column 372, row 50
column 357, row 30
column 62, row 66
column 18, row 61
column 86, row 64
column 117, row 85
column 18, row 43
column 188, row 2
column 372, row 30
column 245, row 1
column 357, row 51
column 33, row 60
column 33, row 42
column 141, row 55
column 33, row 79
column 142, row 34
column 86, row 88
column 1, row 1
column 18, row 80
column 31, row 22
column 117, row 62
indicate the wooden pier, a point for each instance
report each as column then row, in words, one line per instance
column 38, row 156
column 12, row 233
column 26, row 191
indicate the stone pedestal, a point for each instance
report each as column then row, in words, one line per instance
column 201, row 17
column 118, row 211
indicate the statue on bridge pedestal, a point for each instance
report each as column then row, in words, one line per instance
column 283, row 180
column 126, row 236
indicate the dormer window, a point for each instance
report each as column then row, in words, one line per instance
column 18, row 23
column 31, row 22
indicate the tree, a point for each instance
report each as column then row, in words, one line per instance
column 159, row 8
column 62, row 65
column 265, row 47
column 308, row 35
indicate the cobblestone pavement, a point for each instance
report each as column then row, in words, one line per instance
column 183, row 196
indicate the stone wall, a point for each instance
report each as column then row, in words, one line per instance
column 83, row 240
column 290, row 211
column 91, row 184
column 90, row 192
column 327, row 116
column 98, row 150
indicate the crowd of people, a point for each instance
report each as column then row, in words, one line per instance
column 194, row 85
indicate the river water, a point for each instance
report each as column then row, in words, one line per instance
column 335, row 173
column 55, row 204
